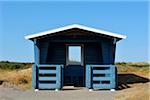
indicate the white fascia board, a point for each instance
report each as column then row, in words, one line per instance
column 75, row 26
column 101, row 31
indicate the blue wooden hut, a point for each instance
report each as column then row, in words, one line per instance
column 74, row 55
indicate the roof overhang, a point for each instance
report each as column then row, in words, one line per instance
column 102, row 32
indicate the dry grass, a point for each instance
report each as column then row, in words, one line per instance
column 21, row 78
column 138, row 68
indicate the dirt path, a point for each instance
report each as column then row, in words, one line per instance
column 138, row 91
column 81, row 94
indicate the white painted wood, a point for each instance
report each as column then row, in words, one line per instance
column 90, row 90
column 75, row 26
column 112, row 90
column 36, row 90
column 56, row 89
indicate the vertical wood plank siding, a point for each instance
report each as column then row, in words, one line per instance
column 107, row 51
column 93, row 53
column 56, row 54
column 98, row 52
column 44, row 51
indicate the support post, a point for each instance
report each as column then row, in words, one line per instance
column 36, row 61
column 88, row 76
column 36, row 52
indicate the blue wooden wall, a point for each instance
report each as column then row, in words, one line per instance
column 44, row 51
column 56, row 54
column 107, row 51
column 98, row 50
column 95, row 52
column 101, row 76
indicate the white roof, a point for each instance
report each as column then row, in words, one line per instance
column 75, row 26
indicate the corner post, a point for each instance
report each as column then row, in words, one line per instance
column 36, row 61
column 114, row 49
column 36, row 52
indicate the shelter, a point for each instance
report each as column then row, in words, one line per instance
column 74, row 55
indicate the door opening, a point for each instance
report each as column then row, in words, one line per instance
column 74, row 69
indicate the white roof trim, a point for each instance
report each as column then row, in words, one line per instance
column 75, row 26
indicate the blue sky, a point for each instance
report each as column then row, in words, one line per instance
column 18, row 19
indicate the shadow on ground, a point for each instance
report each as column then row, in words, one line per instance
column 125, row 79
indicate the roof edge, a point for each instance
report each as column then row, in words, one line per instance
column 28, row 37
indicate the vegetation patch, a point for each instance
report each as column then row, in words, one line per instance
column 14, row 65
column 15, row 74
column 133, row 67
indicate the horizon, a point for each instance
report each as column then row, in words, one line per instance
column 33, row 62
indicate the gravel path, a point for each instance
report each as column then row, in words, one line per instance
column 67, row 94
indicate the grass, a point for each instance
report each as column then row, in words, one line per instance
column 19, row 74
column 14, row 65
column 21, row 79
column 139, row 68
column 16, row 74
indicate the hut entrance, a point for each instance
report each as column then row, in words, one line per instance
column 74, row 69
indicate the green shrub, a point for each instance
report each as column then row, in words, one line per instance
column 14, row 65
